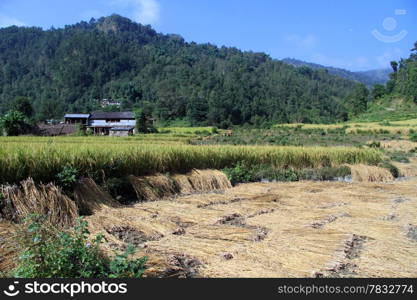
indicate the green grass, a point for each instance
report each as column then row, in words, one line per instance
column 389, row 108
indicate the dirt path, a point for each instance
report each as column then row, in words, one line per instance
column 302, row 229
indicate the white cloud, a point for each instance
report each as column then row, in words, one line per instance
column 142, row 11
column 385, row 58
column 308, row 41
column 6, row 21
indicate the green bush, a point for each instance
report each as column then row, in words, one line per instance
column 67, row 178
column 51, row 253
column 13, row 123
column 239, row 173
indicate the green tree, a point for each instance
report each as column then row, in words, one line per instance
column 23, row 105
column 394, row 66
column 358, row 99
column 13, row 123
column 197, row 111
column 378, row 91
column 144, row 121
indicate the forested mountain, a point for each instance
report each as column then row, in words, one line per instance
column 404, row 78
column 70, row 69
column 368, row 78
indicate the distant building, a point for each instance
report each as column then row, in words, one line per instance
column 110, row 102
column 77, row 119
column 98, row 123
column 112, row 123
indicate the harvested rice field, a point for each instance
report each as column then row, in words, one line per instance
column 194, row 223
column 302, row 229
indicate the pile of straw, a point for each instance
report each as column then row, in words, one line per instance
column 90, row 198
column 364, row 173
column 45, row 200
column 157, row 187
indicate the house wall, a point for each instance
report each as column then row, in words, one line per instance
column 75, row 121
column 119, row 133
column 121, row 123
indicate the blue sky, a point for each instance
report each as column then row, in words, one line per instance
column 354, row 34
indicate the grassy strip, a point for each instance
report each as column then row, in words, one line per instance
column 42, row 162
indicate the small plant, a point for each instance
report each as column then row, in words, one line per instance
column 122, row 267
column 67, row 178
column 239, row 174
column 51, row 253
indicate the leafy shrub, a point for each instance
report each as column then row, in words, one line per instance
column 51, row 253
column 67, row 178
column 239, row 173
column 13, row 123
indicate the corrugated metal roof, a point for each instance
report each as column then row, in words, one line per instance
column 122, row 128
column 112, row 115
column 77, row 116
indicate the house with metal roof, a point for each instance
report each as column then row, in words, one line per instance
column 77, row 119
column 112, row 123
column 105, row 123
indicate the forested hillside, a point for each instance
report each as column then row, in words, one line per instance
column 397, row 100
column 368, row 78
column 70, row 69
column 404, row 79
